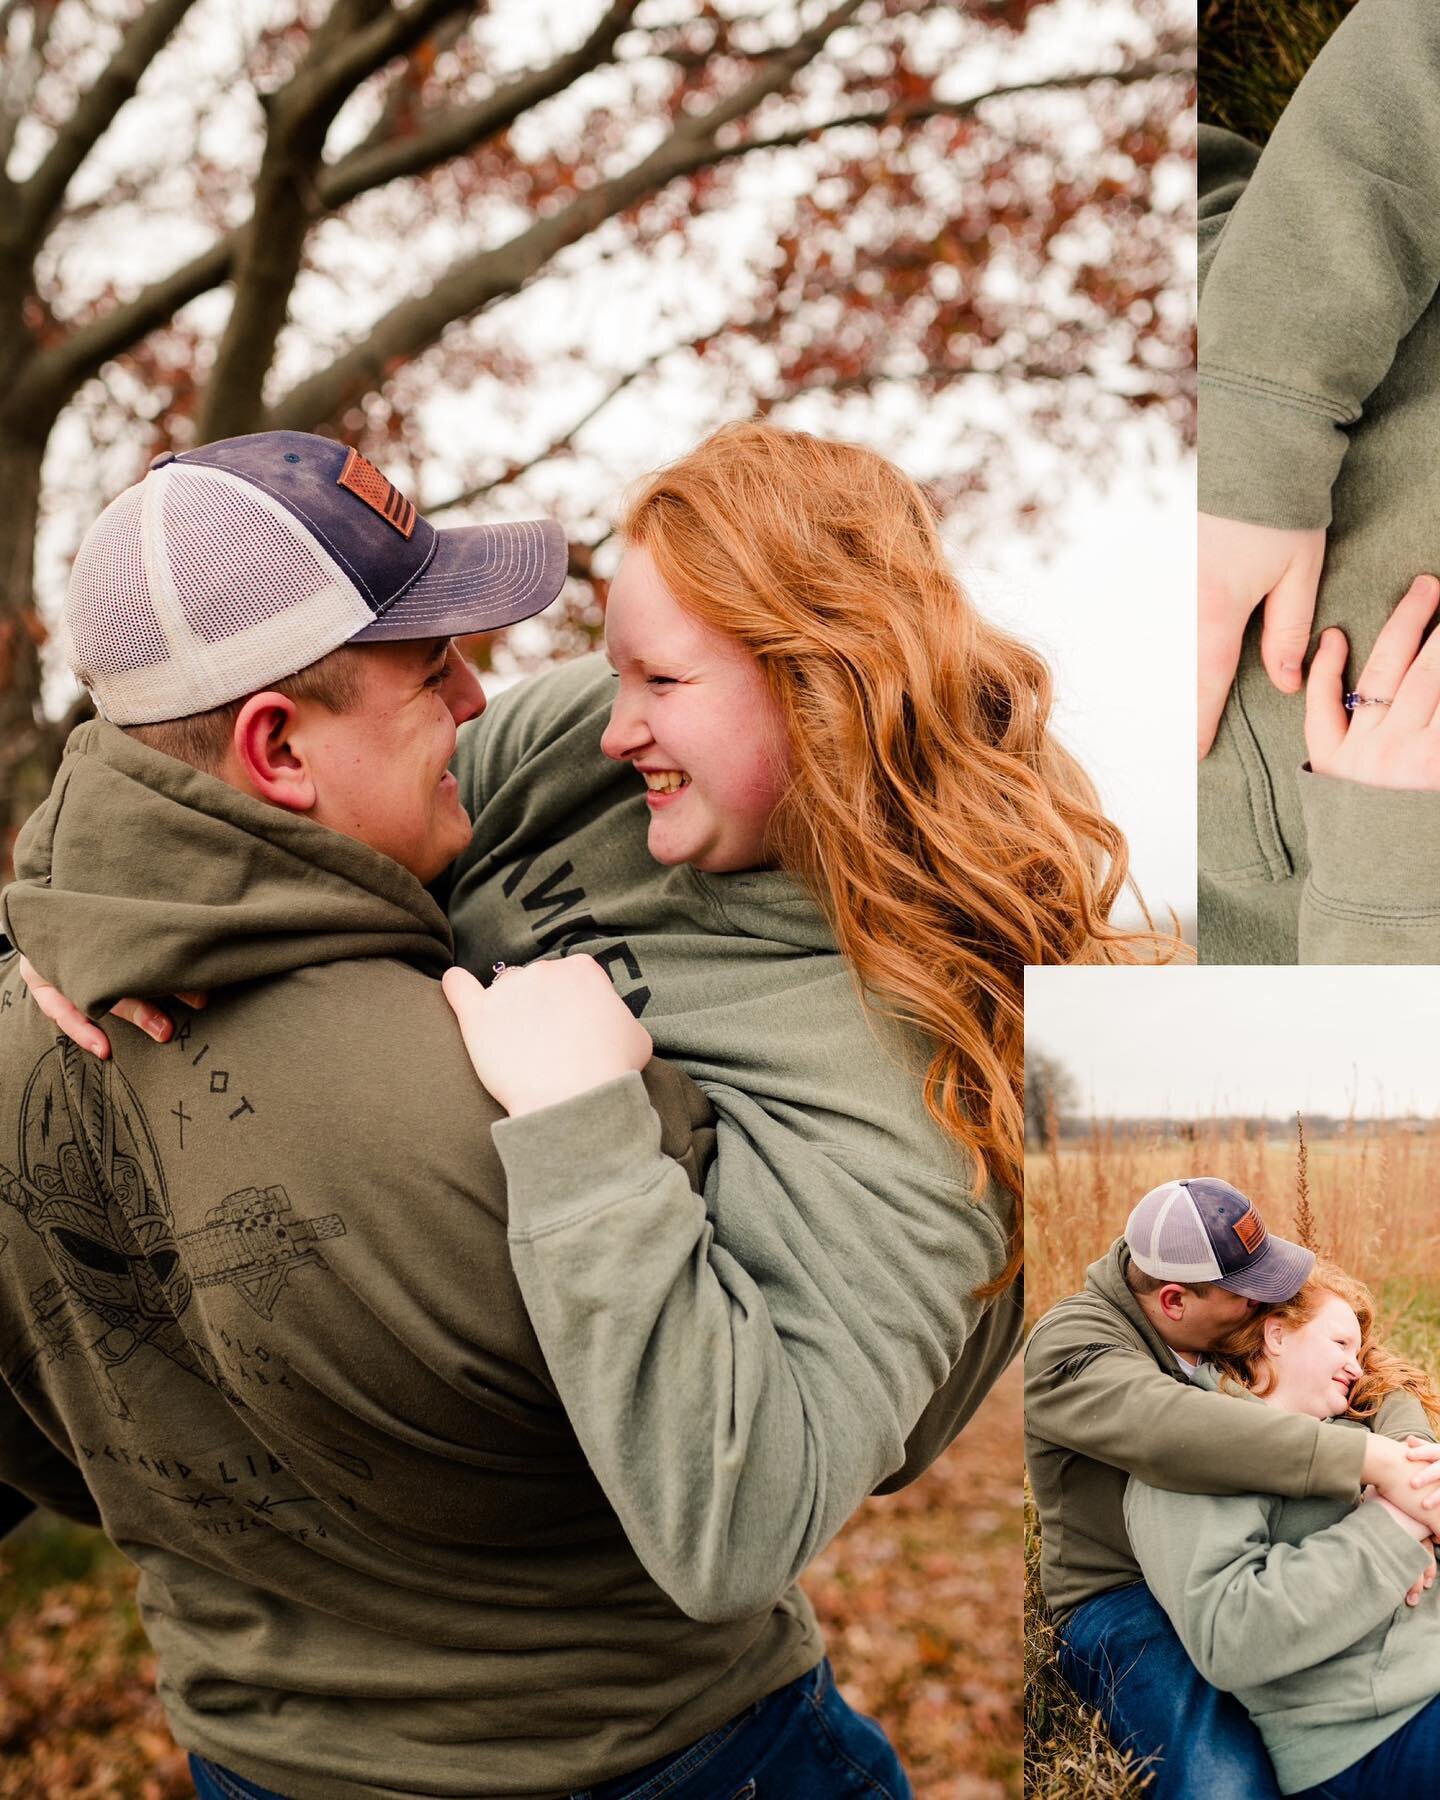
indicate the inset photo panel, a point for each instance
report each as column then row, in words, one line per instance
column 1231, row 1393
column 1319, row 533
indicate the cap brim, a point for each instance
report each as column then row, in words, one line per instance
column 1277, row 1273
column 480, row 578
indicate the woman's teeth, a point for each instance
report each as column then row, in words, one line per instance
column 665, row 781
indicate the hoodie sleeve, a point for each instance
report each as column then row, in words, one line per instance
column 1328, row 258
column 739, row 1399
column 1400, row 1416
column 1252, row 1610
column 1093, row 1390
column 34, row 1473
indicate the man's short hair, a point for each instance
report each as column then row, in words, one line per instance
column 335, row 682
column 1142, row 1285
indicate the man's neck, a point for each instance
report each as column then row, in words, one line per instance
column 1184, row 1350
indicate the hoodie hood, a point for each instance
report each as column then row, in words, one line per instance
column 141, row 875
column 1107, row 1279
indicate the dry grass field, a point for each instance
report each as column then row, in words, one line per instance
column 1372, row 1195
column 1373, row 1192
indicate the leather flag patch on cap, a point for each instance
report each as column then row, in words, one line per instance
column 1250, row 1231
column 366, row 483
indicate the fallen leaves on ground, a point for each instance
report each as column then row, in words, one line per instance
column 919, row 1598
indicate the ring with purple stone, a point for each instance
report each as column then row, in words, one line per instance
column 1352, row 701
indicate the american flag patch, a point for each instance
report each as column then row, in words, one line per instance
column 366, row 483
column 1249, row 1230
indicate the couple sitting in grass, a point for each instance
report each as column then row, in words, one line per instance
column 1238, row 1488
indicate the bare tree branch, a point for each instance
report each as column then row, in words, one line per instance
column 347, row 57
column 556, row 446
column 450, row 131
column 470, row 286
column 777, row 70
column 915, row 113
column 40, row 196
column 51, row 377
column 356, row 38
column 1009, row 374
column 444, row 37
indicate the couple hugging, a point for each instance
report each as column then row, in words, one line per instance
column 469, row 1436
column 1238, row 1486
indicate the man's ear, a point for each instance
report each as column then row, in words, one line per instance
column 267, row 755
column 1172, row 1300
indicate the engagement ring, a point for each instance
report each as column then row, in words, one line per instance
column 1354, row 700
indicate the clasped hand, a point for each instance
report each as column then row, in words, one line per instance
column 1392, row 738
column 546, row 1032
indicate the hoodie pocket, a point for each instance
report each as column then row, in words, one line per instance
column 1239, row 834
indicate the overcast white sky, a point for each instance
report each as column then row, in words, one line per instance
column 1114, row 610
column 1193, row 1041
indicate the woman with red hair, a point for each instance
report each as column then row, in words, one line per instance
column 1299, row 1607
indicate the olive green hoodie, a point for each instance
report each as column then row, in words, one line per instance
column 1297, row 1607
column 1106, row 1398
column 816, row 1331
column 1320, row 406
column 258, row 1315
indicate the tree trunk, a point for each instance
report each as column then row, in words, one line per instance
column 30, row 744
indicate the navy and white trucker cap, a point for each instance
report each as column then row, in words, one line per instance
column 1203, row 1230
column 242, row 562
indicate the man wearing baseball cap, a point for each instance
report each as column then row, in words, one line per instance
column 1107, row 1395
column 258, row 1317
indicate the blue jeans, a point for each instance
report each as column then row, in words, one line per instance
column 1405, row 1762
column 1121, row 1655
column 800, row 1743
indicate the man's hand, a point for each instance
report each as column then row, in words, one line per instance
column 549, row 1031
column 64, row 1016
column 1394, row 745
column 1241, row 566
column 1407, row 1475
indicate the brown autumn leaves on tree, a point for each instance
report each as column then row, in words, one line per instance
column 356, row 240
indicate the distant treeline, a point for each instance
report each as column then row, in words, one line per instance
column 1318, row 1127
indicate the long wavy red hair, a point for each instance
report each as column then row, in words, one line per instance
column 948, row 838
column 1242, row 1358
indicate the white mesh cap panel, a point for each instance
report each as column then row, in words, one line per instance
column 238, row 593
column 106, row 639
column 1181, row 1240
column 1167, row 1237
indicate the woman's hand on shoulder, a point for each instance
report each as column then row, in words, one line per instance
column 1391, row 738
column 1241, row 567
column 544, row 1033
column 153, row 1020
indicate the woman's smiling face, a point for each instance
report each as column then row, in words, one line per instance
column 1316, row 1364
column 694, row 717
